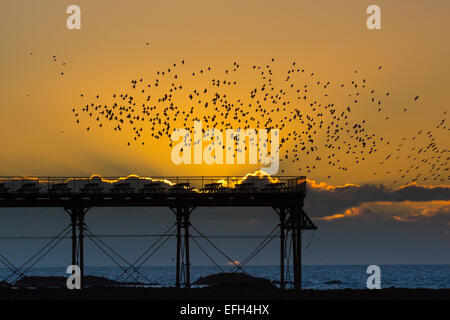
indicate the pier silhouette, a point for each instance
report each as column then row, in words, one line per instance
column 181, row 195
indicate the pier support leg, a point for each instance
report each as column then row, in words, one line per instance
column 297, row 248
column 298, row 286
column 73, row 221
column 294, row 255
column 183, row 222
column 186, row 216
column 282, row 214
column 81, row 245
column 77, row 222
column 179, row 216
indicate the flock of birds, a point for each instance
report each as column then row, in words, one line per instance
column 314, row 130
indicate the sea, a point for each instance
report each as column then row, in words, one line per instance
column 321, row 277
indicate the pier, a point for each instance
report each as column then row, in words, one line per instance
column 180, row 195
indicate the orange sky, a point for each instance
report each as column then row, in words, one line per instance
column 38, row 135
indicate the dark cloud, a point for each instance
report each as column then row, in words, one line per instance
column 325, row 200
column 405, row 211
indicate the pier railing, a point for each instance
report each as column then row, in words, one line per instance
column 165, row 184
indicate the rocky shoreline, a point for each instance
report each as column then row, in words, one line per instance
column 222, row 286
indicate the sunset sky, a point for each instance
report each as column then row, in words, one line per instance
column 120, row 41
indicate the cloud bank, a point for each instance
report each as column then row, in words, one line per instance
column 409, row 203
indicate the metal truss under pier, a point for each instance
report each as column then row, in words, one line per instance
column 181, row 195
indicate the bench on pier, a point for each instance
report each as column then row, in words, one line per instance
column 245, row 187
column 29, row 187
column 3, row 188
column 153, row 187
column 182, row 188
column 122, row 187
column 91, row 188
column 275, row 187
column 213, row 188
column 59, row 188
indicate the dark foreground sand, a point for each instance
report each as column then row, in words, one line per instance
column 220, row 293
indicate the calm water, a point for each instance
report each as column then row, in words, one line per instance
column 314, row 277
